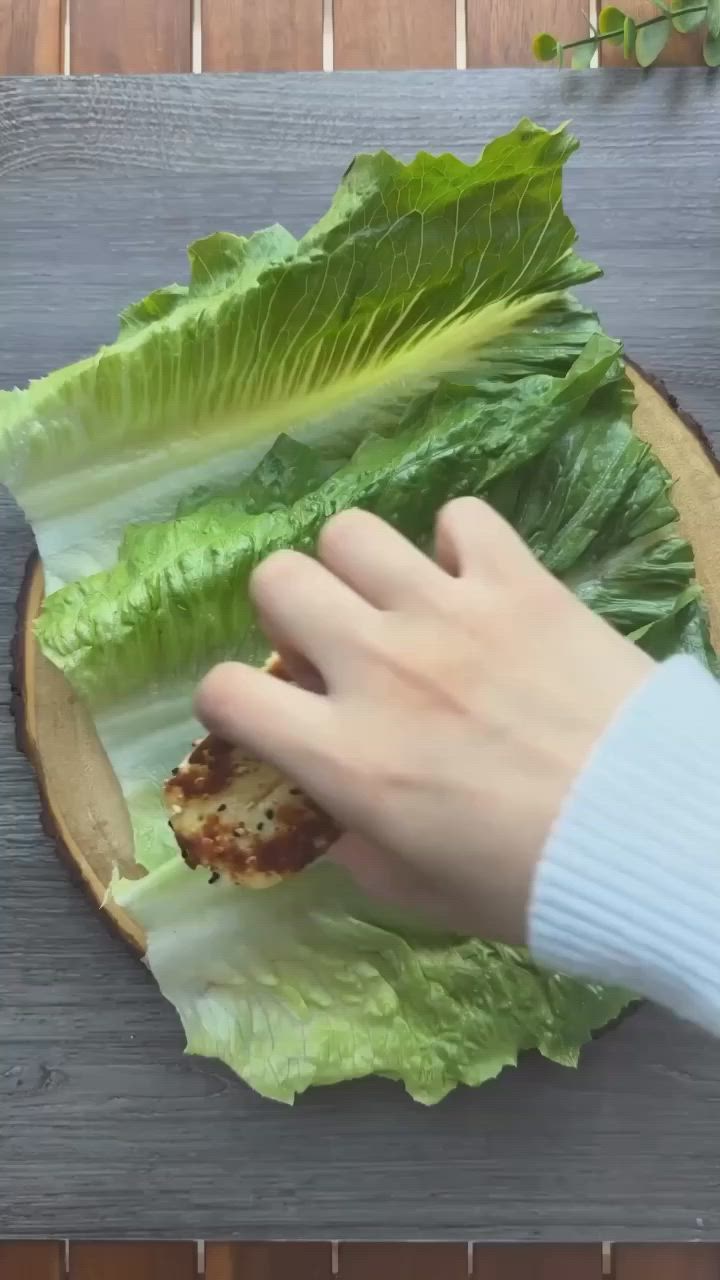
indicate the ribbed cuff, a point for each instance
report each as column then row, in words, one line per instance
column 628, row 889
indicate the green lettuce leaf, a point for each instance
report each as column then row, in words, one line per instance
column 177, row 599
column 414, row 269
column 310, row 983
column 416, row 345
column 157, row 305
column 302, row 986
column 288, row 471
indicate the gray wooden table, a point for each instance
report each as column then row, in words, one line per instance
column 105, row 1130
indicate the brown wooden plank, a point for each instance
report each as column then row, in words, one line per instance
column 126, row 37
column 666, row 1262
column 32, row 1260
column 268, row 1262
column 500, row 34
column 680, row 51
column 538, row 1262
column 30, row 42
column 247, row 35
column 394, row 36
column 403, row 1262
column 130, row 1261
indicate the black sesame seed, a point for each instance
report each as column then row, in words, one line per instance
column 270, row 814
column 221, row 808
column 260, row 826
column 294, row 791
column 214, row 877
column 175, row 772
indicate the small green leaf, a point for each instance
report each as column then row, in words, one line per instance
column 545, row 47
column 583, row 55
column 611, row 20
column 713, row 19
column 629, row 36
column 711, row 50
column 687, row 22
column 651, row 41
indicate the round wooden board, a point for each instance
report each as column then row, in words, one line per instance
column 83, row 808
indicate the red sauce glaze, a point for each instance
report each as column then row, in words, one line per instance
column 304, row 832
column 307, row 835
column 297, row 846
column 208, row 770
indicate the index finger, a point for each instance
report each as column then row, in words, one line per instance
column 308, row 611
column 271, row 719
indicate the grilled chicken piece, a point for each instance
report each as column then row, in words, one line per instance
column 240, row 818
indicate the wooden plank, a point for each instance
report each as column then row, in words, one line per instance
column 243, row 35
column 666, row 1262
column 268, row 1262
column 397, row 36
column 32, row 1260
column 30, row 41
column 538, row 1262
column 132, row 37
column 403, row 1262
column 500, row 34
column 680, row 51
column 130, row 1261
column 107, row 1129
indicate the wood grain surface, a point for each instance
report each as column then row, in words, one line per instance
column 532, row 1262
column 319, row 1261
column 243, row 35
column 312, row 1261
column 105, row 1129
column 32, row 1260
column 84, row 812
column 403, row 1261
column 122, row 37
column 30, row 37
column 133, row 1261
column 500, row 34
column 398, row 36
column 643, row 1262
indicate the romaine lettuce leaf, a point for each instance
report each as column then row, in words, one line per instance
column 307, row 984
column 415, row 267
column 595, row 506
column 310, row 983
column 412, row 347
column 177, row 599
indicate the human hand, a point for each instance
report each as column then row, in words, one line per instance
column 442, row 710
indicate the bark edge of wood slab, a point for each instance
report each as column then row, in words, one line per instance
column 82, row 807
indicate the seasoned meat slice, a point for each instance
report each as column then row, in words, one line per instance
column 240, row 818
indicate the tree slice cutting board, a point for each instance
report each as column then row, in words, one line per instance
column 83, row 807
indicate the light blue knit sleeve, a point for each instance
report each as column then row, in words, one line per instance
column 628, row 889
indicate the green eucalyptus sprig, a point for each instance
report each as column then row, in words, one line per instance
column 644, row 41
